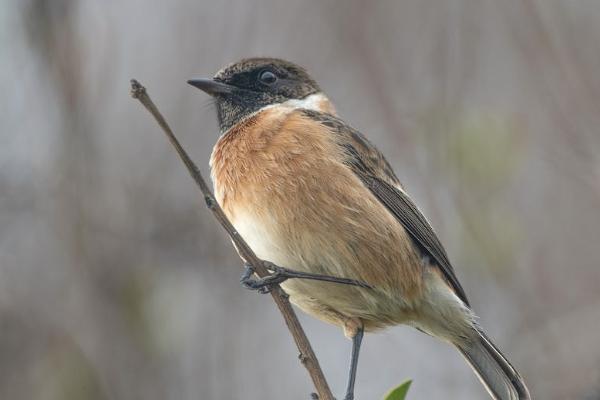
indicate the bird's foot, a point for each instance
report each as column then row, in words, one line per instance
column 265, row 284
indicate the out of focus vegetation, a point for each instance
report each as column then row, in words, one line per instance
column 115, row 283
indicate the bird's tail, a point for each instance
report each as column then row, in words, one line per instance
column 499, row 377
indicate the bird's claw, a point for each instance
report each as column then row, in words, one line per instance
column 262, row 285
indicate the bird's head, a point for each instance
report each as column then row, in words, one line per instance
column 245, row 87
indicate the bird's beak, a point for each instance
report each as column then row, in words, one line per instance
column 211, row 86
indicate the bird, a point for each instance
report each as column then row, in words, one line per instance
column 313, row 195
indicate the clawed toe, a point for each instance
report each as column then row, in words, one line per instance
column 261, row 285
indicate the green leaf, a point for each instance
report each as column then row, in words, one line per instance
column 399, row 392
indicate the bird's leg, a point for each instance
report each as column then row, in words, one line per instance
column 280, row 274
column 354, row 330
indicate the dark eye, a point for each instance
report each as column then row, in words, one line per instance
column 267, row 77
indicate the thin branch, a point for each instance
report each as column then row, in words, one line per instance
column 307, row 355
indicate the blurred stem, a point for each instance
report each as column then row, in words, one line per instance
column 307, row 355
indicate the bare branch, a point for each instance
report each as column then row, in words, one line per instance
column 307, row 355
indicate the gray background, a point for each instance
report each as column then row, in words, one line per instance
column 116, row 283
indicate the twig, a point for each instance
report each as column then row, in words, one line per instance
column 307, row 355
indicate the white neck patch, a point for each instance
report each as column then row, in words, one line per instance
column 315, row 102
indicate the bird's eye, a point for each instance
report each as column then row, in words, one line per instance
column 267, row 77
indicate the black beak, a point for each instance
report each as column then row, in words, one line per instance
column 210, row 86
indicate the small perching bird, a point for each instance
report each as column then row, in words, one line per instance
column 313, row 195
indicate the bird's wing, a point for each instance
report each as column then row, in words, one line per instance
column 377, row 175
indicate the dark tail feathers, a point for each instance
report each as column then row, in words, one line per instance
column 499, row 377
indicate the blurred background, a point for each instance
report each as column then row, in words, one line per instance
column 116, row 282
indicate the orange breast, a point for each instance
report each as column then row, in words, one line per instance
column 280, row 178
